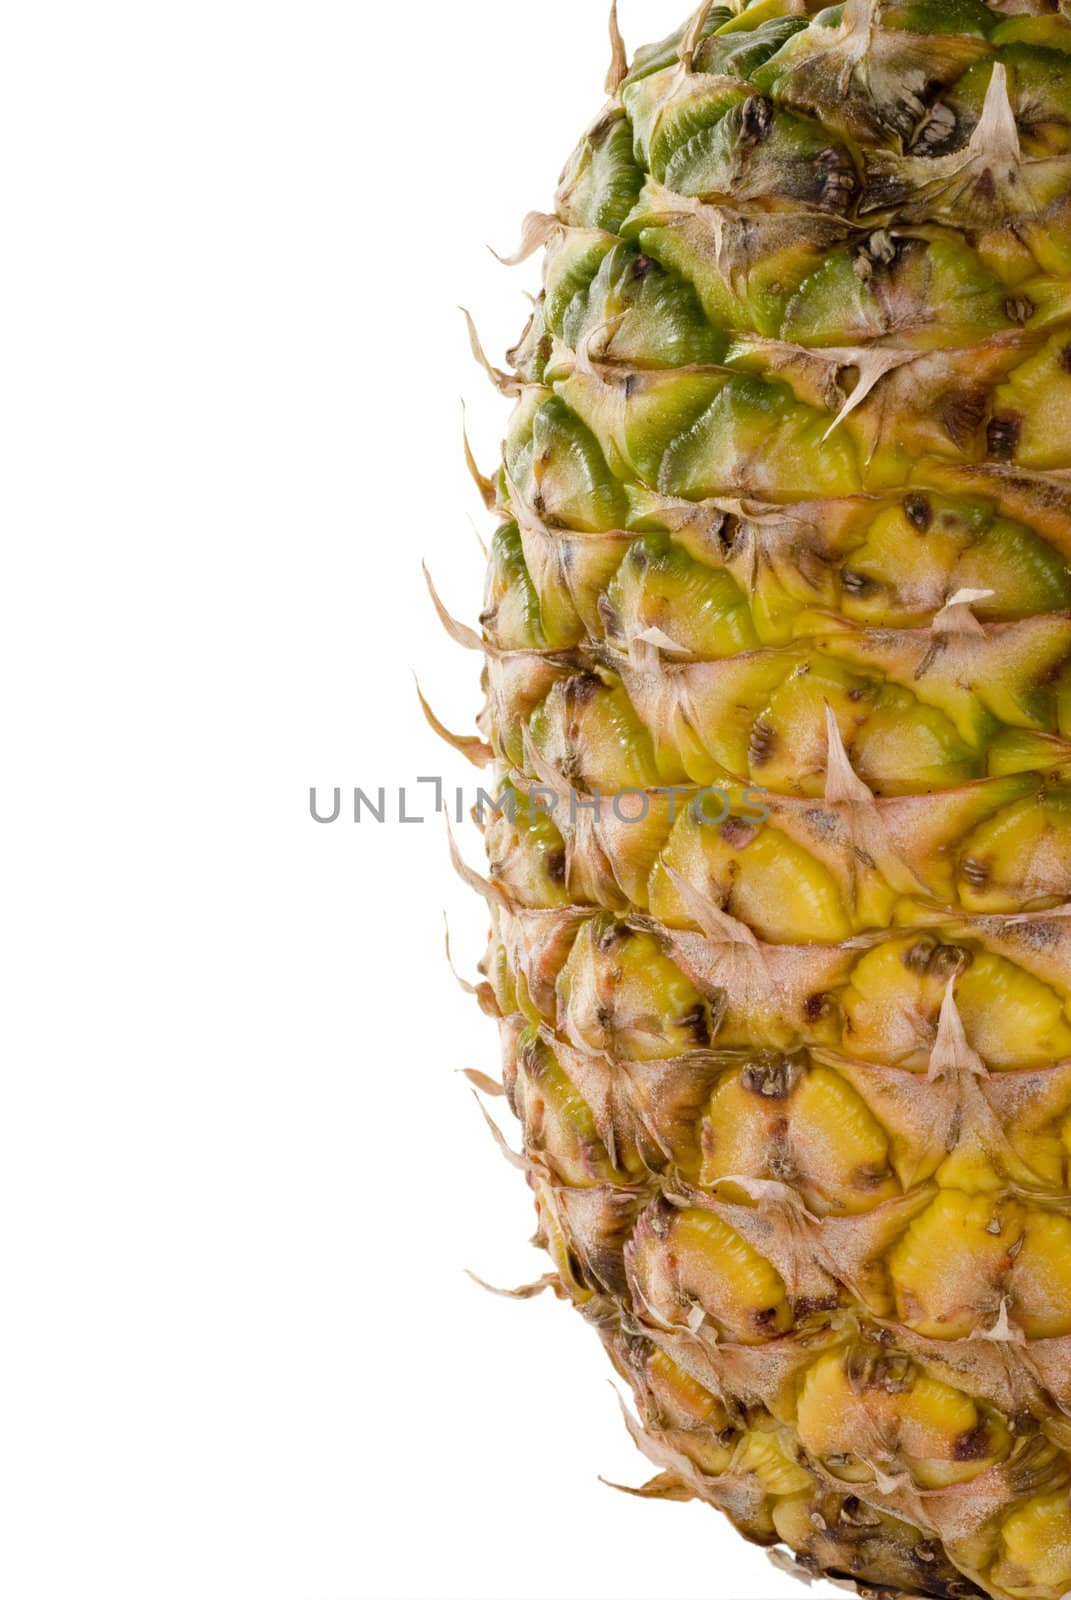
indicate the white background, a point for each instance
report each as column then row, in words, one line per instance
column 242, row 1177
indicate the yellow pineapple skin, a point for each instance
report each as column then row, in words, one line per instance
column 777, row 644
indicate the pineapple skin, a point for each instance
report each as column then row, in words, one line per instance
column 785, row 517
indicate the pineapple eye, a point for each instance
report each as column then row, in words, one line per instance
column 688, row 1266
column 565, row 473
column 561, row 1124
column 619, row 993
column 1019, row 859
column 1030, row 409
column 1035, row 1546
column 656, row 57
column 754, row 434
column 700, row 609
column 808, row 1129
column 969, row 1255
column 513, row 613
column 863, row 1413
column 602, row 181
column 738, row 53
column 526, row 851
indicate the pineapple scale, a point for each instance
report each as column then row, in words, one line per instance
column 782, row 569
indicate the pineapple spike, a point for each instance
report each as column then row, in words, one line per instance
column 526, row 1291
column 952, row 1055
column 782, row 1561
column 996, row 138
column 471, row 746
column 860, row 19
column 522, row 1163
column 956, row 616
column 545, row 772
column 478, row 536
column 618, row 70
column 586, row 363
column 471, row 878
column 693, row 34
column 714, row 921
column 1003, row 1330
column 537, row 230
column 663, row 1486
column 466, row 637
column 871, row 366
column 462, row 982
column 484, row 485
column 503, row 382
column 843, row 784
column 485, row 1085
column 485, row 997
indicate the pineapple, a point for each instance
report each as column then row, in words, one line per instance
column 778, row 674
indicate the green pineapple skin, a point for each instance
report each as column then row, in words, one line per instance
column 781, row 590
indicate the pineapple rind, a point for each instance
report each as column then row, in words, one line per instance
column 785, row 513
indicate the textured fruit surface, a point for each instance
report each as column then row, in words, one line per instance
column 785, row 523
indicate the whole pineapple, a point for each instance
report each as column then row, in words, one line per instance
column 778, row 671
